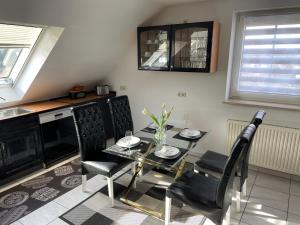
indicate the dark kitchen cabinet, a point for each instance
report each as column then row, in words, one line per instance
column 20, row 147
column 189, row 47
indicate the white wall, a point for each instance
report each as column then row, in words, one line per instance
column 205, row 92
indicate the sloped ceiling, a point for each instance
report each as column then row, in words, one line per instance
column 97, row 35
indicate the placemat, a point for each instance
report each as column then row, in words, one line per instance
column 167, row 162
column 177, row 136
column 152, row 131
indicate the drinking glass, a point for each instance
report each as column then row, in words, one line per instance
column 128, row 135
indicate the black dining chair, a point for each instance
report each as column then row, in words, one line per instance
column 121, row 116
column 92, row 140
column 212, row 162
column 211, row 195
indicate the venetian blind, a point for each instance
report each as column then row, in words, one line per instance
column 18, row 36
column 270, row 55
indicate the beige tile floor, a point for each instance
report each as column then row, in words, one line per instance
column 272, row 198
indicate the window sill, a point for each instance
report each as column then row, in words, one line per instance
column 262, row 104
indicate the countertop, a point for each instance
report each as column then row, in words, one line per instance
column 44, row 106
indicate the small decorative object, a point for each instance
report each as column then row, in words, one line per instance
column 160, row 124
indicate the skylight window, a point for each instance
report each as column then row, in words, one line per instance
column 16, row 44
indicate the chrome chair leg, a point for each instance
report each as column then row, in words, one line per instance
column 110, row 185
column 238, row 201
column 84, row 183
column 168, row 210
column 133, row 171
column 226, row 220
column 244, row 188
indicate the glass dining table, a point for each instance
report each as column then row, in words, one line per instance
column 143, row 154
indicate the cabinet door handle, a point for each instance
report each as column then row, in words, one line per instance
column 58, row 115
column 3, row 149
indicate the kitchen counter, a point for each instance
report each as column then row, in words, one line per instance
column 44, row 106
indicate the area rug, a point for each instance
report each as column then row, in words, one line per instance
column 31, row 195
column 97, row 210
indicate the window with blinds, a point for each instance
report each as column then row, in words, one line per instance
column 16, row 43
column 266, row 61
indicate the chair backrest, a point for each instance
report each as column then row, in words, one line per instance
column 258, row 118
column 256, row 121
column 121, row 116
column 224, row 191
column 90, row 130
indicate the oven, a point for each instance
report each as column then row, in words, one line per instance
column 58, row 135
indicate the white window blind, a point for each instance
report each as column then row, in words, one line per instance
column 16, row 43
column 271, row 55
column 266, row 61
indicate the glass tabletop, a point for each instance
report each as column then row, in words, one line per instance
column 145, row 150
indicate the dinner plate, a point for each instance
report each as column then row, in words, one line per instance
column 167, row 152
column 190, row 133
column 129, row 142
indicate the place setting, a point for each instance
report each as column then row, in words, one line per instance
column 188, row 134
column 152, row 127
column 128, row 144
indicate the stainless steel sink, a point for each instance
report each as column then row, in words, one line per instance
column 13, row 112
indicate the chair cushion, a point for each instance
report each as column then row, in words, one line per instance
column 195, row 190
column 106, row 166
column 213, row 161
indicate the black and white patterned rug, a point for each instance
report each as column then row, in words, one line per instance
column 97, row 209
column 31, row 195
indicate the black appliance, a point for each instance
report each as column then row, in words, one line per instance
column 58, row 134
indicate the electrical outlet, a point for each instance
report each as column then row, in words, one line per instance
column 181, row 94
column 122, row 88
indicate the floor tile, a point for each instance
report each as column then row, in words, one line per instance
column 295, row 177
column 97, row 202
column 295, row 188
column 273, row 182
column 275, row 173
column 293, row 219
column 79, row 215
column 58, row 222
column 294, row 205
column 190, row 217
column 44, row 215
column 257, row 214
column 268, row 197
column 122, row 214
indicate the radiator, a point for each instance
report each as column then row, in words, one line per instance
column 273, row 147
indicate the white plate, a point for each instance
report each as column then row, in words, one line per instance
column 129, row 141
column 167, row 152
column 189, row 133
column 152, row 126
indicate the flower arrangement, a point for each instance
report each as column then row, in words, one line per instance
column 160, row 122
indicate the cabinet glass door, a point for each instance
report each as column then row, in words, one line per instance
column 154, row 48
column 191, row 47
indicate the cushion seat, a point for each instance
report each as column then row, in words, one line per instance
column 195, row 190
column 213, row 161
column 106, row 166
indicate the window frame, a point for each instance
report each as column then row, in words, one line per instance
column 234, row 63
column 13, row 77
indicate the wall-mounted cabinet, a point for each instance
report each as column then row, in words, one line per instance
column 189, row 47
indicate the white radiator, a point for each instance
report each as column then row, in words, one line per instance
column 273, row 147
